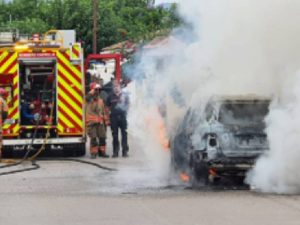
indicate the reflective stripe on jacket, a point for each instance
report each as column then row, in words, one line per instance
column 94, row 119
column 95, row 111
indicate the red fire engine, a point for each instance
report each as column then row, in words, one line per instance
column 45, row 82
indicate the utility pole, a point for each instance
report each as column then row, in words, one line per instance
column 95, row 30
column 151, row 3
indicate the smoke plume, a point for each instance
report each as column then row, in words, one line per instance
column 277, row 171
column 228, row 47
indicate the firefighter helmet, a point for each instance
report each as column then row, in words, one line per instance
column 3, row 92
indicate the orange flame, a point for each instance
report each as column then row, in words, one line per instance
column 158, row 127
column 184, row 177
column 162, row 135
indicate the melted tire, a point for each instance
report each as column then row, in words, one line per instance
column 199, row 170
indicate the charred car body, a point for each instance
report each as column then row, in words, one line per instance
column 224, row 141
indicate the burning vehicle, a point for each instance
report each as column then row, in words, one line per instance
column 224, row 140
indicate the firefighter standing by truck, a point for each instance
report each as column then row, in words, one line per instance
column 96, row 122
column 3, row 114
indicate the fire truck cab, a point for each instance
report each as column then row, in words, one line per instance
column 44, row 77
column 105, row 67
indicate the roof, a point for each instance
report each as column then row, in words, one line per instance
column 161, row 41
column 119, row 46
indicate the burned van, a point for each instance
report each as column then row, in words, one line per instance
column 224, row 140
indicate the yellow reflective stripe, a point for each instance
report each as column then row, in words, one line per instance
column 71, row 102
column 29, row 127
column 69, row 64
column 75, row 82
column 16, row 116
column 60, row 128
column 70, row 89
column 15, row 93
column 76, row 47
column 70, row 113
column 66, row 121
column 16, row 103
column 11, row 60
column 3, row 55
column 16, row 129
column 15, row 81
column 11, row 109
column 13, row 69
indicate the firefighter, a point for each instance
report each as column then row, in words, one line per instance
column 118, row 101
column 96, row 122
column 27, row 117
column 3, row 113
column 103, row 95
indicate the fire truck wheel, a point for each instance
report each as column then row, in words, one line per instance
column 80, row 151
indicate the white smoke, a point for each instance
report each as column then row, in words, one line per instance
column 230, row 48
column 277, row 171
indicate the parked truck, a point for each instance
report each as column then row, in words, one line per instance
column 44, row 79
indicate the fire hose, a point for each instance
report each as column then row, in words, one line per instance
column 29, row 148
column 32, row 159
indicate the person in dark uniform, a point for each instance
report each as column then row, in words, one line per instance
column 118, row 102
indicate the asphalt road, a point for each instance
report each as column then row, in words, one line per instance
column 64, row 193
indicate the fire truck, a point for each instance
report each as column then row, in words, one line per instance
column 44, row 79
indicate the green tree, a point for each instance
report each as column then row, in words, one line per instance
column 30, row 26
column 118, row 20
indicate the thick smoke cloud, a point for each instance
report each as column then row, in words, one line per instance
column 230, row 47
column 277, row 171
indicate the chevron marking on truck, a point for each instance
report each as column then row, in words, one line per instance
column 8, row 65
column 75, row 51
column 70, row 112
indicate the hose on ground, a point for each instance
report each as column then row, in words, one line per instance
column 35, row 166
column 80, row 161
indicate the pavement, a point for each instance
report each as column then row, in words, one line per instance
column 139, row 192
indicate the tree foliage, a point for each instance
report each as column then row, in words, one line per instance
column 118, row 20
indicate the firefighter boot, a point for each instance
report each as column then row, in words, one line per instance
column 115, row 153
column 102, row 152
column 93, row 152
column 115, row 150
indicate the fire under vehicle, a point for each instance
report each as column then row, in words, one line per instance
column 45, row 81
